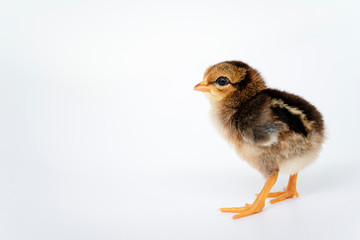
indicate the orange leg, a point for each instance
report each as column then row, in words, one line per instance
column 259, row 202
column 289, row 191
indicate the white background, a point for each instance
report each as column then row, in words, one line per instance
column 102, row 136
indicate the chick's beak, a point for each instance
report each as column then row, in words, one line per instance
column 203, row 87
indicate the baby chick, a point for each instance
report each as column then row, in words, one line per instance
column 274, row 131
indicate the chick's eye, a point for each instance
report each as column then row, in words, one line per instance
column 222, row 81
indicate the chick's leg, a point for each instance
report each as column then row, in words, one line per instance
column 290, row 191
column 259, row 202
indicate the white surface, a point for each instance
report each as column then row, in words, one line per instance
column 102, row 137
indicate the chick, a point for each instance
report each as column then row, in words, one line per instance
column 274, row 131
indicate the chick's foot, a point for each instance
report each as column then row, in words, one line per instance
column 289, row 191
column 281, row 196
column 258, row 204
column 248, row 210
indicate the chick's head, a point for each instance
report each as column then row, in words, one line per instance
column 228, row 78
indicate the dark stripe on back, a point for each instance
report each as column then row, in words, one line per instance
column 293, row 121
column 311, row 113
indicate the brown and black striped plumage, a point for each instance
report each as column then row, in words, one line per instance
column 269, row 128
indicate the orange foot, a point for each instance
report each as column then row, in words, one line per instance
column 248, row 210
column 258, row 204
column 289, row 191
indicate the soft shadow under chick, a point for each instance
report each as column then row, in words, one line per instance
column 274, row 131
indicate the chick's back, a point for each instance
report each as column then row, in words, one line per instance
column 279, row 131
